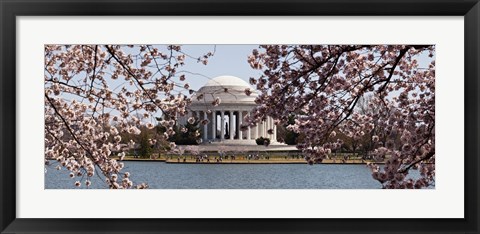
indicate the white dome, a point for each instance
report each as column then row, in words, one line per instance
column 230, row 90
column 227, row 81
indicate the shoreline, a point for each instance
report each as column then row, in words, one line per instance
column 259, row 161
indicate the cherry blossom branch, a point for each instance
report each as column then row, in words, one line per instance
column 426, row 157
column 133, row 76
column 68, row 126
column 94, row 68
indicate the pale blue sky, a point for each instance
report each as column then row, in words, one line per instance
column 227, row 60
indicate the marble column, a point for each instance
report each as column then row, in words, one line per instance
column 270, row 127
column 258, row 130
column 252, row 129
column 222, row 128
column 214, row 125
column 205, row 131
column 230, row 125
column 275, row 132
column 240, row 120
column 264, row 127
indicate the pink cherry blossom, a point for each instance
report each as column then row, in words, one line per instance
column 378, row 94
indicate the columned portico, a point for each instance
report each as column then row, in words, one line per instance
column 226, row 125
column 225, row 119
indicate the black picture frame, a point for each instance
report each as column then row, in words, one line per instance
column 470, row 9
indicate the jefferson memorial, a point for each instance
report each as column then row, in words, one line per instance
column 225, row 119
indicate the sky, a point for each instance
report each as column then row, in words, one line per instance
column 227, row 60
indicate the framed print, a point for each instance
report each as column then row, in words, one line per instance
column 175, row 117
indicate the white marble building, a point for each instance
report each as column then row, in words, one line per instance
column 225, row 119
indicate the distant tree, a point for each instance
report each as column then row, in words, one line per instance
column 189, row 134
column 262, row 141
column 145, row 146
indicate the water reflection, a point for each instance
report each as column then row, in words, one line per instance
column 160, row 175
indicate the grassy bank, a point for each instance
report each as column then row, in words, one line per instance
column 244, row 160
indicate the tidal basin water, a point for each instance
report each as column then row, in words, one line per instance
column 160, row 175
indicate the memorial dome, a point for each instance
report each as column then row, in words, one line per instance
column 227, row 81
column 229, row 89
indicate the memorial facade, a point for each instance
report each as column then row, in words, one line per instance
column 225, row 119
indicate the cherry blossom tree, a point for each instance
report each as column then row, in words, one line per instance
column 322, row 85
column 194, row 150
column 93, row 93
